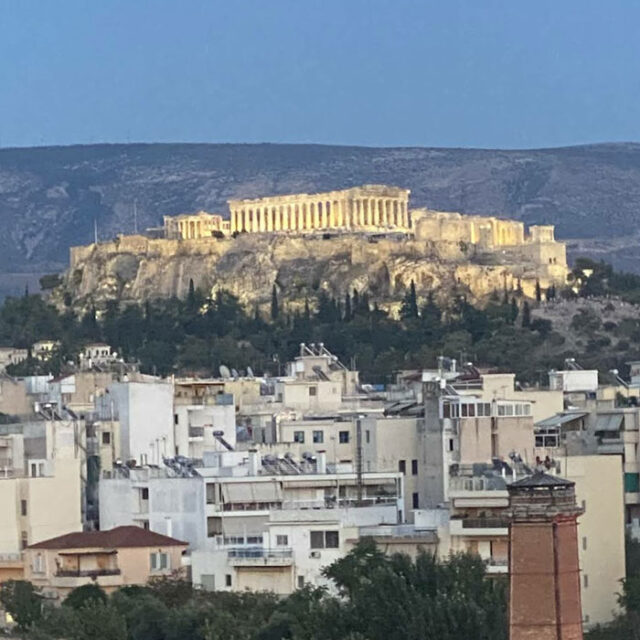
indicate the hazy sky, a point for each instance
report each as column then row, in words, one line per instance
column 481, row 73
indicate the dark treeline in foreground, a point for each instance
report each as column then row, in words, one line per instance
column 380, row 598
column 199, row 333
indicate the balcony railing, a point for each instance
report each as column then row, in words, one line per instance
column 259, row 552
column 86, row 573
column 484, row 523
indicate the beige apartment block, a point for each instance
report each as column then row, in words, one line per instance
column 123, row 556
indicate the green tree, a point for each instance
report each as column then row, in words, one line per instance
column 22, row 601
column 526, row 315
column 84, row 595
column 409, row 308
column 538, row 291
column 275, row 310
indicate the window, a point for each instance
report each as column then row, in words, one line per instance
column 585, row 581
column 414, row 467
column 23, row 507
column 227, row 580
column 318, row 437
column 214, row 526
column 282, row 541
column 254, row 539
column 631, row 483
column 332, row 539
column 300, row 582
column 159, row 561
column 415, row 498
column 38, row 564
column 446, row 410
column 313, row 391
column 175, row 421
column 106, row 437
column 344, row 437
column 450, row 444
column 144, row 493
column 402, row 466
column 367, row 436
column 298, row 436
column 584, row 543
column 324, row 539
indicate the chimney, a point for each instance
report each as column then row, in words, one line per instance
column 254, row 462
column 321, row 462
column 169, row 525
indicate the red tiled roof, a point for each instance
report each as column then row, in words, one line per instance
column 128, row 536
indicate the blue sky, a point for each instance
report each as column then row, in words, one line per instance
column 469, row 73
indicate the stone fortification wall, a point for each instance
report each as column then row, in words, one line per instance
column 134, row 268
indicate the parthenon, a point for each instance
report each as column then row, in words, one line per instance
column 368, row 207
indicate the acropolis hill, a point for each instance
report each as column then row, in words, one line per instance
column 365, row 238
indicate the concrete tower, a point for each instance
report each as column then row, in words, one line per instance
column 544, row 586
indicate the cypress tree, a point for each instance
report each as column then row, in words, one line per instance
column 347, row 307
column 275, row 311
column 526, row 314
column 538, row 291
column 410, row 303
column 514, row 310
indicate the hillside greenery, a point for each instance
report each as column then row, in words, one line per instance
column 198, row 334
column 379, row 597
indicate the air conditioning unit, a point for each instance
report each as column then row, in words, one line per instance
column 314, row 554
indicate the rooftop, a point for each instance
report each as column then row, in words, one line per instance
column 127, row 536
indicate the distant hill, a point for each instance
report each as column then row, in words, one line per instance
column 50, row 196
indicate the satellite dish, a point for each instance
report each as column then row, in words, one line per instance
column 224, row 371
column 234, row 373
column 250, row 372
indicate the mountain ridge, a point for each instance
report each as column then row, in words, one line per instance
column 51, row 195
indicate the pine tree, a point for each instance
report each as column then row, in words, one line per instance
column 355, row 302
column 275, row 311
column 526, row 315
column 538, row 291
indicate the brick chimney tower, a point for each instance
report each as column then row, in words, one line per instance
column 544, row 572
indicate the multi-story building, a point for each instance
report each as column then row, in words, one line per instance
column 111, row 559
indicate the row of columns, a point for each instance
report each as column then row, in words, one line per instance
column 190, row 229
column 307, row 215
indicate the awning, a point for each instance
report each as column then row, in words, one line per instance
column 251, row 492
column 559, row 419
column 609, row 422
column 241, row 525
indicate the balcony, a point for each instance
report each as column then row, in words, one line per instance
column 613, row 446
column 497, row 565
column 10, row 561
column 471, row 527
column 72, row 578
column 86, row 573
column 259, row 557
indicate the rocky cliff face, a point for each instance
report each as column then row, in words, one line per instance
column 135, row 269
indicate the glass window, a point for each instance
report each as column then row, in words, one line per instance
column 23, row 507
column 487, row 408
column 317, row 539
column 416, row 501
column 332, row 539
column 298, row 436
column 227, row 580
column 402, row 466
column 465, row 410
column 472, row 410
column 313, row 391
column 414, row 467
column 446, row 410
column 367, row 436
column 344, row 437
column 106, row 437
column 282, row 541
column 318, row 437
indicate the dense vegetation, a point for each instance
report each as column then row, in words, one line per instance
column 379, row 597
column 198, row 334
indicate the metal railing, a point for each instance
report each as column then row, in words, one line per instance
column 86, row 573
column 259, row 553
column 484, row 523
